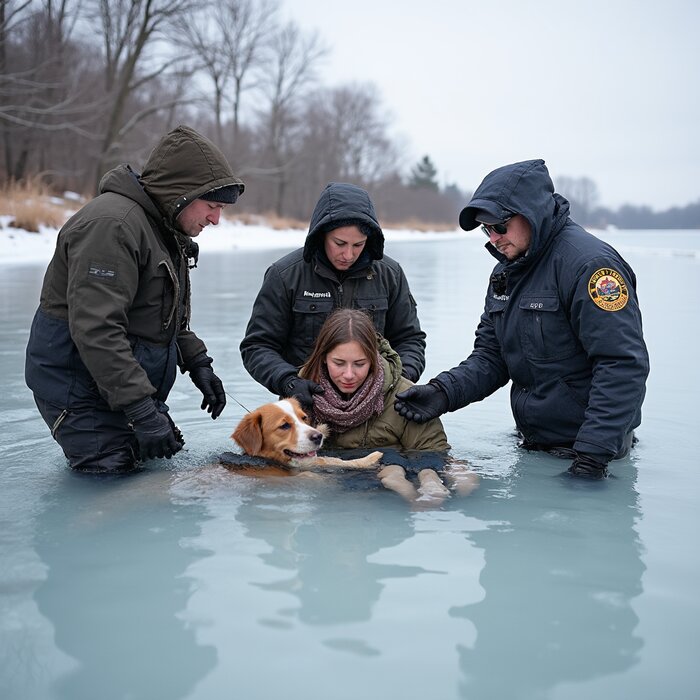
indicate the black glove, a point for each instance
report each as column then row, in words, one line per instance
column 422, row 403
column 303, row 390
column 178, row 433
column 153, row 429
column 588, row 467
column 211, row 387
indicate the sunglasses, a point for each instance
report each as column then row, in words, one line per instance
column 499, row 229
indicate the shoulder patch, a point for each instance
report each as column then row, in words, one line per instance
column 107, row 274
column 608, row 289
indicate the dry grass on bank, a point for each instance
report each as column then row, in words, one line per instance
column 421, row 226
column 31, row 206
column 281, row 223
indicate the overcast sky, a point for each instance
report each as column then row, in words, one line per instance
column 605, row 89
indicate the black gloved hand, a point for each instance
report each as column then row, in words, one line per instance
column 153, row 430
column 588, row 467
column 178, row 433
column 211, row 387
column 303, row 390
column 421, row 403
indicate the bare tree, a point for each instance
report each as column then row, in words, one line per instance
column 131, row 31
column 40, row 92
column 208, row 41
column 105, row 75
column 11, row 15
column 367, row 154
column 293, row 65
column 248, row 24
column 582, row 193
column 229, row 43
column 343, row 136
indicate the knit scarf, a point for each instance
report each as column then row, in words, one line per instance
column 342, row 414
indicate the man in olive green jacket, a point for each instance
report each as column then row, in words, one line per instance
column 113, row 321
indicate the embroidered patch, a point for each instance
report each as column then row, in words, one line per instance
column 102, row 272
column 608, row 289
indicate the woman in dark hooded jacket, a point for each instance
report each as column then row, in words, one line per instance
column 342, row 264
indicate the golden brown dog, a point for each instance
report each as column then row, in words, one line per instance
column 281, row 432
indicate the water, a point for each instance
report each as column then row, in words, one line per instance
column 187, row 581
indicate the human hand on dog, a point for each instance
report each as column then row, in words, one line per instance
column 421, row 403
column 303, row 390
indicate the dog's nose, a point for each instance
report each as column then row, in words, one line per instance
column 316, row 437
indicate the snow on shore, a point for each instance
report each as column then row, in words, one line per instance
column 20, row 247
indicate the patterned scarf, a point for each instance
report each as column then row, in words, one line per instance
column 342, row 414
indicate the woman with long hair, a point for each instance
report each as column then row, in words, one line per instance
column 360, row 375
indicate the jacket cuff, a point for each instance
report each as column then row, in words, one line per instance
column 201, row 360
column 439, row 385
column 140, row 409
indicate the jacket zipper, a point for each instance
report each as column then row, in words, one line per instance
column 176, row 295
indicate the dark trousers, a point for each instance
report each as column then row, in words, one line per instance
column 93, row 440
column 566, row 452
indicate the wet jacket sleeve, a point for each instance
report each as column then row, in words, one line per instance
column 402, row 329
column 98, row 304
column 189, row 347
column 267, row 331
column 614, row 344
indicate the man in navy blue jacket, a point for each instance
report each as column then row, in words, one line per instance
column 561, row 322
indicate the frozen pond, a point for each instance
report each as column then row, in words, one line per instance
column 188, row 581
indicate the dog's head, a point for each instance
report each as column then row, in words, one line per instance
column 280, row 432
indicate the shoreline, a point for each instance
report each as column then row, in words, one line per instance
column 18, row 246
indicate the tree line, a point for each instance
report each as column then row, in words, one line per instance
column 88, row 84
column 583, row 196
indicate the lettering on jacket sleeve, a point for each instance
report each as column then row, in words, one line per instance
column 102, row 272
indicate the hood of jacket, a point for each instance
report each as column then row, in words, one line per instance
column 124, row 181
column 392, row 364
column 183, row 166
column 520, row 188
column 343, row 204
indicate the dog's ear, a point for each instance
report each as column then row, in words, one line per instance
column 248, row 433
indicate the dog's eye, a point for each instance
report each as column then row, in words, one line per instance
column 285, row 426
column 305, row 418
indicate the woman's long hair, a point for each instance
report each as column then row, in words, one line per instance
column 342, row 326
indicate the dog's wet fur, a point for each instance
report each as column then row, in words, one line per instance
column 281, row 432
column 279, row 438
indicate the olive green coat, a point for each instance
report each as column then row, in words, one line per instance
column 113, row 321
column 389, row 429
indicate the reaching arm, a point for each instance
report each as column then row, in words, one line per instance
column 267, row 331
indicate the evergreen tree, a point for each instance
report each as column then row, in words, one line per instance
column 423, row 175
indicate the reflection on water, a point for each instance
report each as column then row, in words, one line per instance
column 106, row 544
column 189, row 581
column 327, row 555
column 337, row 582
column 561, row 571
